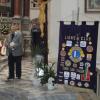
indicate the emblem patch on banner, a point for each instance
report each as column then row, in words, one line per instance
column 79, row 84
column 66, row 74
column 63, row 53
column 89, row 48
column 82, row 43
column 76, row 54
column 68, row 43
column 72, row 83
column 67, row 63
column 66, row 82
column 89, row 57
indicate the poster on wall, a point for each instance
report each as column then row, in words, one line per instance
column 77, row 54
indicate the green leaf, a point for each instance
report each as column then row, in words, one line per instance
column 48, row 72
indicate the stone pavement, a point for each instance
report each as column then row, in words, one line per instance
column 24, row 89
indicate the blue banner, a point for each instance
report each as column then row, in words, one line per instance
column 77, row 54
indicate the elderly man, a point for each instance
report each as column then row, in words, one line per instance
column 14, row 52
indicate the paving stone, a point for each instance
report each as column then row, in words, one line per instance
column 24, row 89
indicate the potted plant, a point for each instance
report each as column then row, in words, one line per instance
column 38, row 59
column 48, row 75
column 42, row 71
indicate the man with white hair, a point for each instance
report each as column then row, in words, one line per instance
column 14, row 51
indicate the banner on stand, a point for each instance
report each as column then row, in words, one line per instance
column 77, row 54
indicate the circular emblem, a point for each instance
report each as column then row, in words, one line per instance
column 82, row 43
column 62, row 53
column 79, row 84
column 76, row 54
column 72, row 83
column 86, row 84
column 89, row 48
column 67, row 63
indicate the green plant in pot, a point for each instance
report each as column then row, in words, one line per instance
column 48, row 72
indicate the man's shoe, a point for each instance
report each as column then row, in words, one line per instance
column 18, row 77
column 10, row 78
